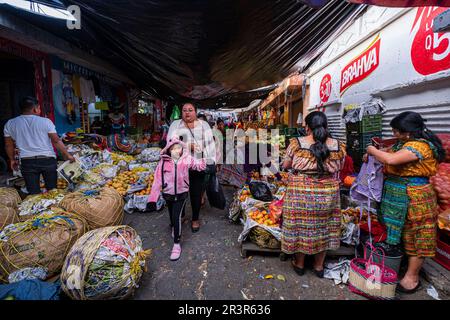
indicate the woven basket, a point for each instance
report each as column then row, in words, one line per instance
column 263, row 238
column 9, row 197
column 372, row 280
column 42, row 241
column 7, row 216
column 101, row 208
column 77, row 265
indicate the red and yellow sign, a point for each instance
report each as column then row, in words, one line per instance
column 362, row 66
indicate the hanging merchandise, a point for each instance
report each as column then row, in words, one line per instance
column 176, row 114
column 69, row 99
column 87, row 90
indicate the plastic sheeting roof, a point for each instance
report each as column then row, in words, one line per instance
column 213, row 51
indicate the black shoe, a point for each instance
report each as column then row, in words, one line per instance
column 319, row 274
column 299, row 271
column 401, row 289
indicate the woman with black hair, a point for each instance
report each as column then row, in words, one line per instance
column 199, row 138
column 409, row 203
column 311, row 210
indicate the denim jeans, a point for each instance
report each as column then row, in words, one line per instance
column 33, row 168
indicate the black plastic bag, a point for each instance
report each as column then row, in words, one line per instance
column 261, row 191
column 215, row 193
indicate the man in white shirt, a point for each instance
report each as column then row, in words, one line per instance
column 34, row 137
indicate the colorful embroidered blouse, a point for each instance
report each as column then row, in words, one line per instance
column 425, row 166
column 303, row 159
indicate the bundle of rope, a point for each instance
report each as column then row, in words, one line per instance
column 105, row 263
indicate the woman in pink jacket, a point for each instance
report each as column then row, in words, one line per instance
column 172, row 179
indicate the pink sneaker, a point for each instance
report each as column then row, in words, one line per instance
column 176, row 252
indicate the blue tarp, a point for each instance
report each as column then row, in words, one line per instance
column 31, row 290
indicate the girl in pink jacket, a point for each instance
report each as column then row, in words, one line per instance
column 172, row 179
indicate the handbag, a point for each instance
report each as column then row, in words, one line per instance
column 372, row 280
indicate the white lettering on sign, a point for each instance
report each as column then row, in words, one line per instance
column 361, row 67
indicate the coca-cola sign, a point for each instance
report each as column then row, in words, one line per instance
column 325, row 88
column 362, row 66
column 430, row 52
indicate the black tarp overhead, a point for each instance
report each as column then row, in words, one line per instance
column 201, row 49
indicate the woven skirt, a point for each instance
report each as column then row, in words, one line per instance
column 311, row 215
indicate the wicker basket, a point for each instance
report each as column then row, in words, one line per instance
column 372, row 280
column 263, row 238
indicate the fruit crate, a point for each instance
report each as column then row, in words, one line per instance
column 362, row 140
column 443, row 249
column 370, row 123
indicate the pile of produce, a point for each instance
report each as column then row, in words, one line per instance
column 269, row 217
column 441, row 184
column 9, row 202
column 444, row 220
column 122, row 182
column 119, row 157
column 35, row 204
column 62, row 184
column 106, row 263
column 42, row 241
column 100, row 207
column 445, row 138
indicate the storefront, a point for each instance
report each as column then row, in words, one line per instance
column 81, row 95
column 24, row 72
column 388, row 54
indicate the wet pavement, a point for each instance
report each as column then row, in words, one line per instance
column 211, row 266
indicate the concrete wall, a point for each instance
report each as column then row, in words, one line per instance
column 412, row 70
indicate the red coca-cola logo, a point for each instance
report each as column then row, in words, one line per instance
column 325, row 88
column 430, row 52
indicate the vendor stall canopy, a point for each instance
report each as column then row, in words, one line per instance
column 218, row 53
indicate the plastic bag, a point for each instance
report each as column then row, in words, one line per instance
column 261, row 191
column 176, row 114
column 215, row 193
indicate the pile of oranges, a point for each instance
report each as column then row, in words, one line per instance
column 245, row 194
column 262, row 216
column 147, row 190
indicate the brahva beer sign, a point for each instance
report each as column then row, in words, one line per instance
column 362, row 66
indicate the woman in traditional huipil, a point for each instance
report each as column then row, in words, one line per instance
column 409, row 204
column 311, row 210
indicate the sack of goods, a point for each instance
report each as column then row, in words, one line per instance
column 100, row 207
column 42, row 241
column 104, row 264
column 9, row 202
column 149, row 155
column 10, row 197
column 36, row 204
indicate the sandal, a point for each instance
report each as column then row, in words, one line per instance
column 195, row 228
column 318, row 273
column 402, row 289
column 298, row 270
column 176, row 252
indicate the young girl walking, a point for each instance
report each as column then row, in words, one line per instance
column 172, row 178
